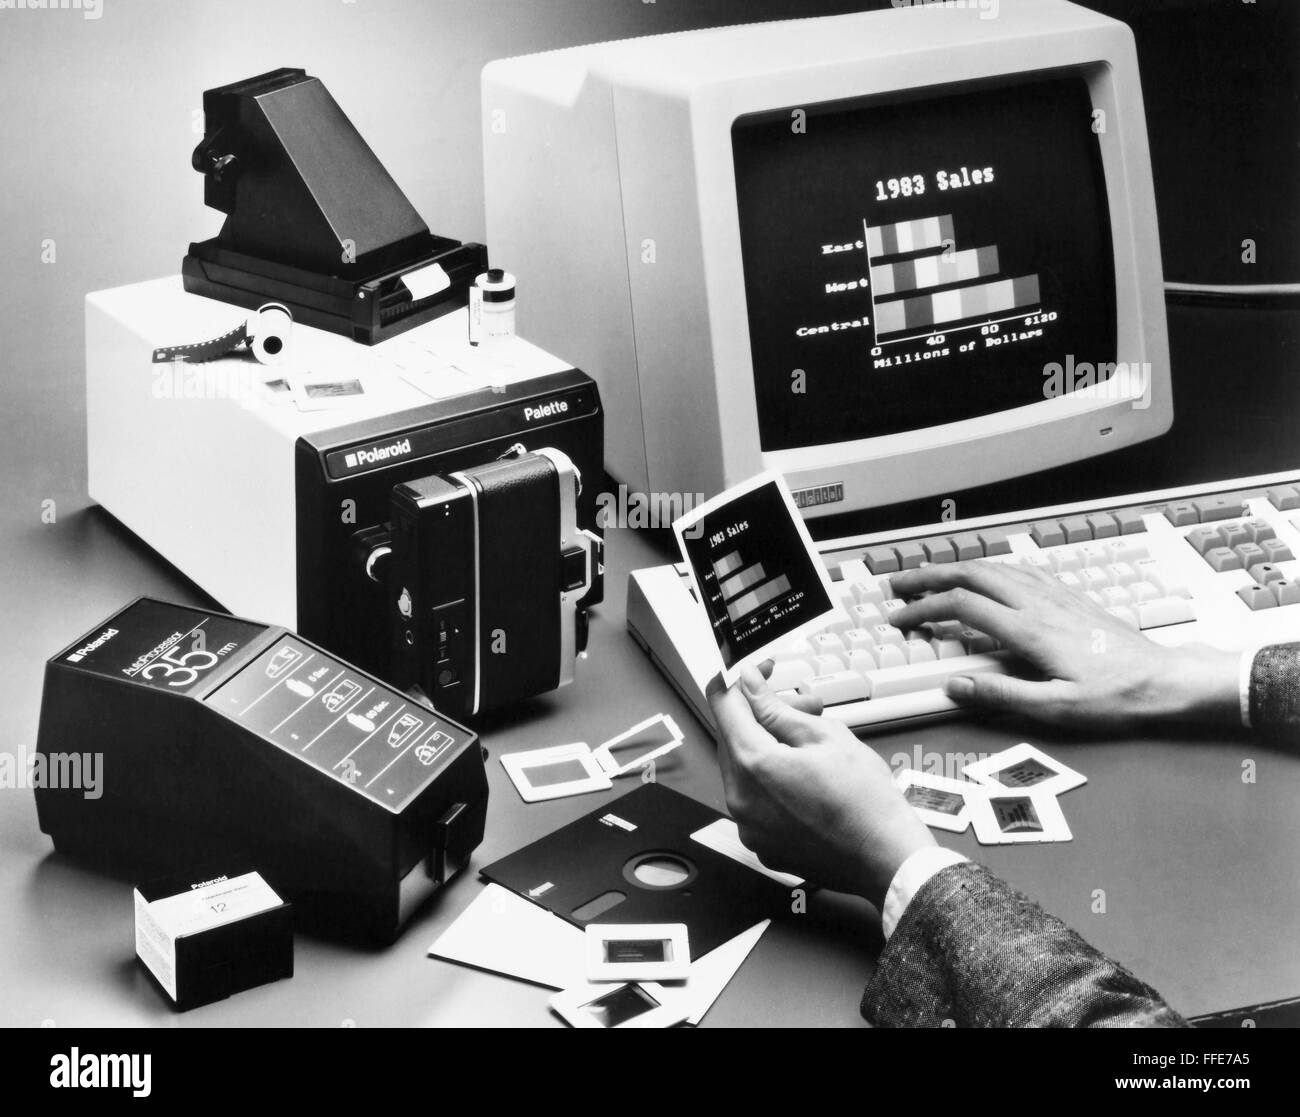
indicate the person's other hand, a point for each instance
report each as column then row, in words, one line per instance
column 808, row 797
column 1096, row 670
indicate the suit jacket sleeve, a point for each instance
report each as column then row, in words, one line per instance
column 1275, row 691
column 971, row 951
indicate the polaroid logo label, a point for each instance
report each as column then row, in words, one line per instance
column 545, row 410
column 205, row 883
column 373, row 455
column 98, row 642
column 113, row 1072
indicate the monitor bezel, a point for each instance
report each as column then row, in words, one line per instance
column 939, row 460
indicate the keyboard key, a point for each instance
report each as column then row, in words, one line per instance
column 1276, row 551
column 892, row 605
column 1284, row 498
column 1219, row 508
column 869, row 594
column 910, row 555
column 1221, row 559
column 930, row 676
column 1259, row 530
column 919, row 651
column 1125, row 614
column 1250, row 554
column 947, row 648
column 888, row 635
column 1103, row 525
column 1130, row 521
column 995, row 542
column 967, row 546
column 1265, row 572
column 947, row 630
column 1048, row 533
column 1183, row 514
column 1257, row 597
column 867, row 616
column 855, row 572
column 1077, row 529
column 1143, row 591
column 1071, row 579
column 787, row 674
column 827, row 643
column 861, row 660
column 1164, row 611
column 1286, row 593
column 1125, row 550
column 1094, row 578
column 1205, row 539
column 843, row 686
column 881, row 560
column 859, row 638
column 1095, row 554
column 827, row 664
column 1235, row 534
column 1065, row 559
column 939, row 550
column 1121, row 573
column 976, row 643
column 889, row 656
column 1116, row 597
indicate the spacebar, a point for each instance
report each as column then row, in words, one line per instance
column 891, row 681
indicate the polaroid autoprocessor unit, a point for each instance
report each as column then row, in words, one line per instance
column 227, row 739
column 275, row 488
column 314, row 220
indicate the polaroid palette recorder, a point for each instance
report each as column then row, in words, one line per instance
column 279, row 512
column 222, row 738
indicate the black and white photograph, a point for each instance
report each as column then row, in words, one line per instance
column 653, row 514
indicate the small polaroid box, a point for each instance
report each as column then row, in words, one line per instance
column 205, row 935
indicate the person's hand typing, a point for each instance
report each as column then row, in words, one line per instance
column 1096, row 670
column 808, row 797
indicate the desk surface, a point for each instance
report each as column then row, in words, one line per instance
column 1179, row 868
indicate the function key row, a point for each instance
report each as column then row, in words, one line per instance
column 1086, row 528
column 953, row 548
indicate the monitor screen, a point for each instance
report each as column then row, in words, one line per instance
column 919, row 259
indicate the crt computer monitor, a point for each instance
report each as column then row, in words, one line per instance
column 892, row 254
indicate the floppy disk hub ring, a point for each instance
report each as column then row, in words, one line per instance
column 643, row 869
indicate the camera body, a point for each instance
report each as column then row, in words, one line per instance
column 489, row 567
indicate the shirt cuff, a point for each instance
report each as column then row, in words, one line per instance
column 910, row 878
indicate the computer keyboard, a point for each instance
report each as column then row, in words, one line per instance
column 1212, row 564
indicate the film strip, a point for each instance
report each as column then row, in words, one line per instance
column 266, row 333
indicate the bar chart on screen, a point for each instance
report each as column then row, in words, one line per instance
column 923, row 282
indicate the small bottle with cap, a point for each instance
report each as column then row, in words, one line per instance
column 492, row 306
